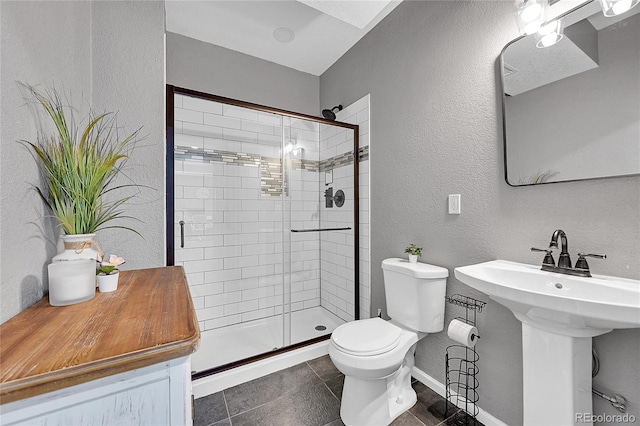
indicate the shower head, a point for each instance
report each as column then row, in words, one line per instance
column 329, row 114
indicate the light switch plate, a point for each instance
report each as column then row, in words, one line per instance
column 454, row 203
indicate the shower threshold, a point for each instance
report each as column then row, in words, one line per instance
column 228, row 347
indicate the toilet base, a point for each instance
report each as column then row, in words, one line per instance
column 378, row 402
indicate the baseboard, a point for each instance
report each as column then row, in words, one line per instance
column 226, row 379
column 483, row 417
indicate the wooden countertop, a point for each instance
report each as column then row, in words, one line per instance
column 149, row 319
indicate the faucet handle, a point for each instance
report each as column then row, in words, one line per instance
column 539, row 249
column 581, row 263
column 596, row 255
column 548, row 258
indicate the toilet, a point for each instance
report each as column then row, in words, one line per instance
column 376, row 356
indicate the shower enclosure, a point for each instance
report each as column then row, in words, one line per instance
column 262, row 212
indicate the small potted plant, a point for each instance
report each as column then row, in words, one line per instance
column 414, row 251
column 108, row 274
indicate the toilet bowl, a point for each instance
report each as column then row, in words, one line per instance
column 377, row 356
column 377, row 386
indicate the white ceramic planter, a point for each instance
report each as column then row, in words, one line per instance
column 71, row 282
column 108, row 283
column 413, row 258
column 77, row 247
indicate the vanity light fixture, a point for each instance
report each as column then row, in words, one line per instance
column 530, row 14
column 617, row 7
column 550, row 33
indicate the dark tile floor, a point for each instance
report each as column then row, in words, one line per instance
column 307, row 394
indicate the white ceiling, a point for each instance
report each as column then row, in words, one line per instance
column 324, row 29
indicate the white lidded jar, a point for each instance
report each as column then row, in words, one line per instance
column 71, row 282
column 72, row 273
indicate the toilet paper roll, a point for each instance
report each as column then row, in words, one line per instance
column 463, row 333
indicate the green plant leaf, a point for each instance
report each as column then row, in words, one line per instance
column 79, row 171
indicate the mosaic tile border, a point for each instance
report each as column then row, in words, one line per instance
column 363, row 153
column 344, row 159
column 270, row 167
column 245, row 159
column 216, row 156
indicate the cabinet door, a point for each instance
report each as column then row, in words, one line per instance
column 139, row 397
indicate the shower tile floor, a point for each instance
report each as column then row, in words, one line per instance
column 256, row 337
column 307, row 394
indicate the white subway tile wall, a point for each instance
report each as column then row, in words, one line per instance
column 337, row 247
column 235, row 257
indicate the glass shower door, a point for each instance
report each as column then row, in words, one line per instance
column 319, row 268
column 264, row 217
column 339, row 267
column 302, row 251
column 228, row 214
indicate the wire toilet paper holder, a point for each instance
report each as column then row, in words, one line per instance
column 461, row 364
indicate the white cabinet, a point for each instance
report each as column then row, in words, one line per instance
column 157, row 395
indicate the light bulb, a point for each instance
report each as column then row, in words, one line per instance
column 531, row 27
column 547, row 29
column 531, row 12
column 549, row 40
column 621, row 6
column 549, row 34
column 617, row 7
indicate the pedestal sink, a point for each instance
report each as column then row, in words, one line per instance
column 559, row 314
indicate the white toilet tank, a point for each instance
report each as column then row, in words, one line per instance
column 415, row 294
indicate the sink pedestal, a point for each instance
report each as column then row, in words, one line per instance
column 556, row 378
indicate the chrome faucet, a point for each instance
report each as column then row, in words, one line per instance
column 564, row 261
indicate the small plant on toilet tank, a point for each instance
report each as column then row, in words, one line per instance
column 414, row 252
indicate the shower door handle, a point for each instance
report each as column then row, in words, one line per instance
column 181, row 233
column 321, row 229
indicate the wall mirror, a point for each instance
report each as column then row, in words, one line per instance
column 571, row 111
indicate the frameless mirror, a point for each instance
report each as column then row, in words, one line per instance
column 571, row 111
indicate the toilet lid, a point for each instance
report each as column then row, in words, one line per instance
column 367, row 337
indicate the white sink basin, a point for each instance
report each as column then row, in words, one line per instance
column 562, row 304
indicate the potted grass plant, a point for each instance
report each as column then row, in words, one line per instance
column 79, row 165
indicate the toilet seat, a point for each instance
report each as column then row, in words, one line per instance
column 368, row 337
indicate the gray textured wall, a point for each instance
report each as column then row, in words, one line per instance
column 33, row 50
column 109, row 55
column 128, row 76
column 436, row 128
column 196, row 65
